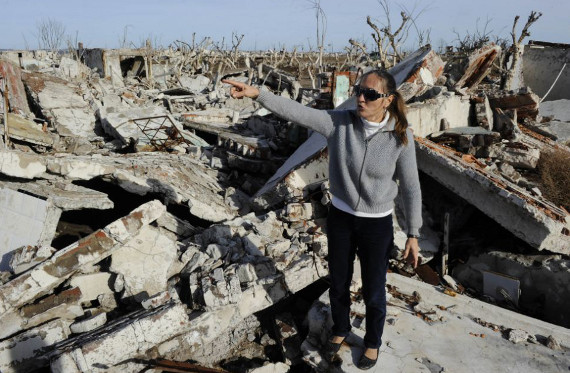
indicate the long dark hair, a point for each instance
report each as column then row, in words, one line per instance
column 397, row 108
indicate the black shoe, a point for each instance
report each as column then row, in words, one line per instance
column 332, row 348
column 365, row 363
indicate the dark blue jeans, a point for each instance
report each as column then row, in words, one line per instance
column 372, row 239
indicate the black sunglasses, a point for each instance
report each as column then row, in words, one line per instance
column 369, row 93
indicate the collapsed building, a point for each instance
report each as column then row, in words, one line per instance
column 149, row 219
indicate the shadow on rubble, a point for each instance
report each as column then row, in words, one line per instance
column 76, row 224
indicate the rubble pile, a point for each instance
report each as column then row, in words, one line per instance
column 148, row 215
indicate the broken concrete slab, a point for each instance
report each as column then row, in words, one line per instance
column 410, row 68
column 120, row 340
column 93, row 248
column 196, row 84
column 532, row 219
column 27, row 131
column 70, row 68
column 149, row 126
column 295, row 177
column 146, row 262
column 25, row 220
column 473, row 324
column 26, row 257
column 21, row 165
column 62, row 103
column 92, row 285
column 517, row 154
column 89, row 324
column 478, row 66
column 29, row 350
column 64, row 195
column 425, row 117
column 62, row 306
column 523, row 100
column 180, row 178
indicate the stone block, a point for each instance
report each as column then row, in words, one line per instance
column 21, row 165
column 92, row 285
column 145, row 262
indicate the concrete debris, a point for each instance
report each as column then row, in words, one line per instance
column 26, row 220
column 62, row 104
column 518, row 336
column 478, row 66
column 89, row 324
column 483, row 111
column 523, row 100
column 26, row 257
column 537, row 222
column 552, row 343
column 98, row 275
column 28, row 131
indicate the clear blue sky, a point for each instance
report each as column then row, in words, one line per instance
column 268, row 23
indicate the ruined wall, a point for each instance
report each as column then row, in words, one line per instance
column 541, row 65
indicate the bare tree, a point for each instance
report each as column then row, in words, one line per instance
column 124, row 39
column 321, row 29
column 384, row 37
column 476, row 39
column 50, row 34
column 512, row 61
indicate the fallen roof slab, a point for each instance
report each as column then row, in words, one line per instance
column 533, row 219
column 462, row 335
column 180, row 178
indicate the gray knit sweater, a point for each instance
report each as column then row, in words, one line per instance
column 362, row 171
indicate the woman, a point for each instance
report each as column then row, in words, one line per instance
column 369, row 148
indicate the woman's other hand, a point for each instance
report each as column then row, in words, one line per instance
column 412, row 251
column 240, row 90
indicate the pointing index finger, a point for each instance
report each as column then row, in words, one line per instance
column 234, row 83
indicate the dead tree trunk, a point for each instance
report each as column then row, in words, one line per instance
column 512, row 63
